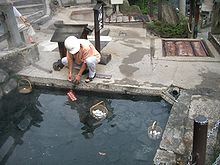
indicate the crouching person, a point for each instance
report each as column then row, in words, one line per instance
column 83, row 53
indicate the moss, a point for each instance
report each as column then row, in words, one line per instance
column 166, row 30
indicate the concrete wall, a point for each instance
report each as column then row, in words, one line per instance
column 83, row 1
column 215, row 29
column 17, row 56
column 13, row 61
column 7, row 83
column 76, row 2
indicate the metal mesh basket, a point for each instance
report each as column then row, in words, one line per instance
column 154, row 131
column 99, row 111
column 24, row 86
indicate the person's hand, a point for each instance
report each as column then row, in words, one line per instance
column 70, row 77
column 24, row 19
column 77, row 79
column 27, row 24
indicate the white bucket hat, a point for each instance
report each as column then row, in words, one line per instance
column 72, row 44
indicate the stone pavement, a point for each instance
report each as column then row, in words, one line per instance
column 135, row 70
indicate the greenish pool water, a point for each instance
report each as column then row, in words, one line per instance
column 44, row 128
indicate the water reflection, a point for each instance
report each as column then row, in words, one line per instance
column 56, row 131
column 15, row 119
column 82, row 106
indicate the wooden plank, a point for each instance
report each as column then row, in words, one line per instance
column 103, row 76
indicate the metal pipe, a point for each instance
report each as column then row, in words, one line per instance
column 182, row 7
column 199, row 140
column 98, row 22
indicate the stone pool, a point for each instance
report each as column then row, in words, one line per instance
column 44, row 127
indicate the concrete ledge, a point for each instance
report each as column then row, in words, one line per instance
column 15, row 60
column 105, row 58
column 98, row 87
column 173, row 136
column 126, row 24
column 42, row 20
column 214, row 41
column 164, row 157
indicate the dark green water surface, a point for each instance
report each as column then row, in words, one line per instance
column 45, row 128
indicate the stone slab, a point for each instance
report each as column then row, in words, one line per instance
column 15, row 60
column 203, row 105
column 105, row 58
column 9, row 86
column 164, row 157
column 3, row 76
column 172, row 139
column 6, row 147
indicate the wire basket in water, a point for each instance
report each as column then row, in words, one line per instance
column 99, row 111
column 24, row 86
column 154, row 131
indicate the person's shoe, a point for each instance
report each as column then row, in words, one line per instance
column 89, row 79
column 57, row 66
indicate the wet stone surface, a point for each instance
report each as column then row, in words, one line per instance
column 173, row 142
column 3, row 76
column 1, row 93
column 9, row 86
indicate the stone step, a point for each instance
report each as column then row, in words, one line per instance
column 27, row 2
column 42, row 20
column 27, row 9
column 67, row 3
column 35, row 16
column 34, row 10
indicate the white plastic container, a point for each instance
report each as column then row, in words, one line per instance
column 116, row 2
